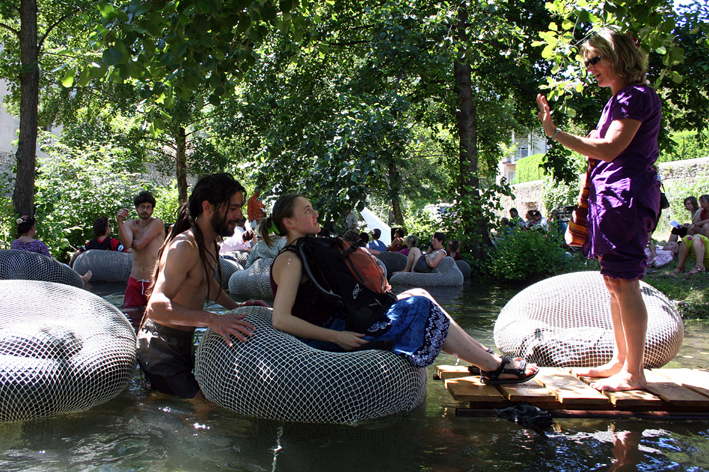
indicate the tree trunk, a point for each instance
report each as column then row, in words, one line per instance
column 23, row 195
column 181, row 165
column 468, row 153
column 392, row 180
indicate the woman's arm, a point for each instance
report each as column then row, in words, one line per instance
column 618, row 137
column 287, row 273
column 436, row 259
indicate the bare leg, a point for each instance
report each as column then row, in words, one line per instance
column 699, row 250
column 459, row 344
column 619, row 353
column 411, row 259
column 87, row 276
column 683, row 255
column 419, row 292
column 705, row 230
column 633, row 315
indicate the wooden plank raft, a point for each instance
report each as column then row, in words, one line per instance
column 670, row 390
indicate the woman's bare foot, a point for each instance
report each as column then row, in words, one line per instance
column 603, row 371
column 621, row 382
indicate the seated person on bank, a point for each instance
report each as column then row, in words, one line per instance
column 453, row 249
column 397, row 243
column 239, row 241
column 695, row 246
column 679, row 232
column 702, row 226
column 102, row 230
column 658, row 257
column 411, row 241
column 264, row 251
column 375, row 244
column 427, row 262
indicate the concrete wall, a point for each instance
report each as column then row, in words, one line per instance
column 529, row 194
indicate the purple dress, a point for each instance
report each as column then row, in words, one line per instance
column 34, row 246
column 624, row 199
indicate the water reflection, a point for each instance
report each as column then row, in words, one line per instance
column 147, row 431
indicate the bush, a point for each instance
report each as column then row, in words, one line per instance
column 74, row 187
column 529, row 169
column 559, row 194
column 688, row 146
column 524, row 254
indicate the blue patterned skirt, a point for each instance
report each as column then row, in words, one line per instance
column 417, row 326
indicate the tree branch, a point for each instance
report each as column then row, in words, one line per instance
column 14, row 31
column 56, row 23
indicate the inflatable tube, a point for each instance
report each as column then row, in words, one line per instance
column 62, row 349
column 105, row 266
column 254, row 282
column 274, row 375
column 26, row 265
column 446, row 274
column 229, row 267
column 394, row 261
column 237, row 256
column 565, row 321
column 464, row 268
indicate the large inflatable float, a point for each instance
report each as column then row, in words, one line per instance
column 393, row 261
column 26, row 265
column 105, row 266
column 565, row 321
column 274, row 375
column 446, row 274
column 229, row 267
column 254, row 282
column 62, row 349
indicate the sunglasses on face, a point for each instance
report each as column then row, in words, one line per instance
column 592, row 62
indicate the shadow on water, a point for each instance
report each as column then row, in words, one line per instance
column 147, row 431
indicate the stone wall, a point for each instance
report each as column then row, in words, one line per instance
column 529, row 194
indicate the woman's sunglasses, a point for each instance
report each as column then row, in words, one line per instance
column 592, row 62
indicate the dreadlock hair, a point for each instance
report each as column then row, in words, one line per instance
column 217, row 189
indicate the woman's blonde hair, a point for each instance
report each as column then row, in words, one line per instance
column 627, row 60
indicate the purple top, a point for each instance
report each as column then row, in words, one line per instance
column 34, row 246
column 626, row 188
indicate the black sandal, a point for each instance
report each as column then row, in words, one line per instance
column 493, row 377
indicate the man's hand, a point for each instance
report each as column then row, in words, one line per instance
column 255, row 303
column 232, row 324
column 122, row 215
column 349, row 340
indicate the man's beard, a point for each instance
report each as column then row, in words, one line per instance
column 144, row 216
column 221, row 226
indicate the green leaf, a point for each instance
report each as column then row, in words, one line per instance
column 68, row 79
column 112, row 57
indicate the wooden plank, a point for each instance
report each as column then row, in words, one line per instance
column 568, row 389
column 446, row 372
column 674, row 393
column 472, row 390
column 531, row 392
column 695, row 380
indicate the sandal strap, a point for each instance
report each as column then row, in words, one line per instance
column 495, row 374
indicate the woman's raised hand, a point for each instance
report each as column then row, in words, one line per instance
column 545, row 115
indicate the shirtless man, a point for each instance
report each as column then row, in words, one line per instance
column 144, row 236
column 184, row 279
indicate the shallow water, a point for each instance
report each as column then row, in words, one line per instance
column 153, row 432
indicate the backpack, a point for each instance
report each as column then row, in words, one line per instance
column 348, row 277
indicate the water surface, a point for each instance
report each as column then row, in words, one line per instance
column 152, row 432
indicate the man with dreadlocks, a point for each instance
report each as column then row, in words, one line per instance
column 183, row 280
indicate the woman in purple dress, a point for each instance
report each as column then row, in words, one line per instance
column 26, row 229
column 624, row 199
